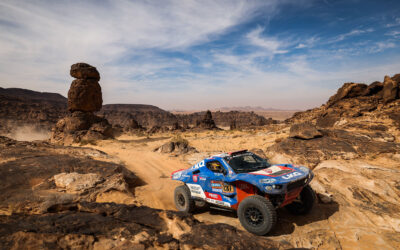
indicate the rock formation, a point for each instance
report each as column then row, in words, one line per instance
column 84, row 98
column 359, row 121
column 304, row 131
column 26, row 108
column 177, row 145
column 207, row 122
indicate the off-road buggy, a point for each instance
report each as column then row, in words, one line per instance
column 247, row 183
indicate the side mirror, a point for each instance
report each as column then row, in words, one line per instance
column 224, row 171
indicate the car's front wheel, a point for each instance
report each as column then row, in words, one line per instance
column 257, row 215
column 304, row 203
column 183, row 199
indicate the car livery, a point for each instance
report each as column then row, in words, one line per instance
column 226, row 180
column 230, row 189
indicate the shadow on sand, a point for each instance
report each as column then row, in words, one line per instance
column 286, row 221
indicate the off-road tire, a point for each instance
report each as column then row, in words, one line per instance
column 257, row 215
column 183, row 199
column 305, row 203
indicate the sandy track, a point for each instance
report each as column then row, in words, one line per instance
column 152, row 168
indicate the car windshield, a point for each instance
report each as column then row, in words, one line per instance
column 247, row 162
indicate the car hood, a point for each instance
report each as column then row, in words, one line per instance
column 275, row 174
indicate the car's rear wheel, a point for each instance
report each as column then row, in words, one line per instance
column 183, row 199
column 304, row 203
column 257, row 215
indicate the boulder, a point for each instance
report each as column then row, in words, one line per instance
column 78, row 126
column 390, row 90
column 84, row 71
column 348, row 90
column 176, row 146
column 85, row 95
column 305, row 131
column 373, row 89
column 74, row 182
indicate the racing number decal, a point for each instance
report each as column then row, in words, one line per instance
column 228, row 188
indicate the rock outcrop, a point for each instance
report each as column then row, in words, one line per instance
column 21, row 108
column 177, row 146
column 207, row 122
column 240, row 119
column 84, row 98
column 359, row 121
column 304, row 131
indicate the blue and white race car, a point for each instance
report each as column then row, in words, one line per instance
column 247, row 183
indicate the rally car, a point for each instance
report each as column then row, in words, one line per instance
column 247, row 183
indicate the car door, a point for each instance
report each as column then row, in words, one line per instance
column 215, row 182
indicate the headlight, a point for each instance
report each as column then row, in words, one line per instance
column 304, row 169
column 267, row 181
column 268, row 188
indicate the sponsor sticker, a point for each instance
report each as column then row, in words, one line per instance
column 228, row 188
column 216, row 184
column 214, row 196
column 291, row 175
column 195, row 178
column 196, row 190
column 199, row 165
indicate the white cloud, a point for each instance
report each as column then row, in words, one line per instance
column 351, row 33
column 393, row 24
column 270, row 44
column 380, row 46
column 43, row 38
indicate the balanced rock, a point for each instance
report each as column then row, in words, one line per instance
column 84, row 71
column 84, row 98
column 85, row 95
column 305, row 131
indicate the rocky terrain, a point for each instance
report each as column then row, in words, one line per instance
column 359, row 121
column 57, row 197
column 240, row 119
column 21, row 107
column 118, row 194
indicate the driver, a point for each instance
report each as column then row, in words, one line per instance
column 215, row 166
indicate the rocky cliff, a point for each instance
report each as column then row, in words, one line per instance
column 19, row 107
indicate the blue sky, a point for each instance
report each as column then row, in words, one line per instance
column 190, row 54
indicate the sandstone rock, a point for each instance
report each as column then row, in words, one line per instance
column 32, row 166
column 373, row 89
column 84, row 95
column 390, row 90
column 179, row 147
column 74, row 182
column 84, row 71
column 304, row 131
column 348, row 90
column 79, row 126
column 334, row 144
column 207, row 122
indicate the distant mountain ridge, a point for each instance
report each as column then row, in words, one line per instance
column 42, row 109
column 31, row 94
column 251, row 108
